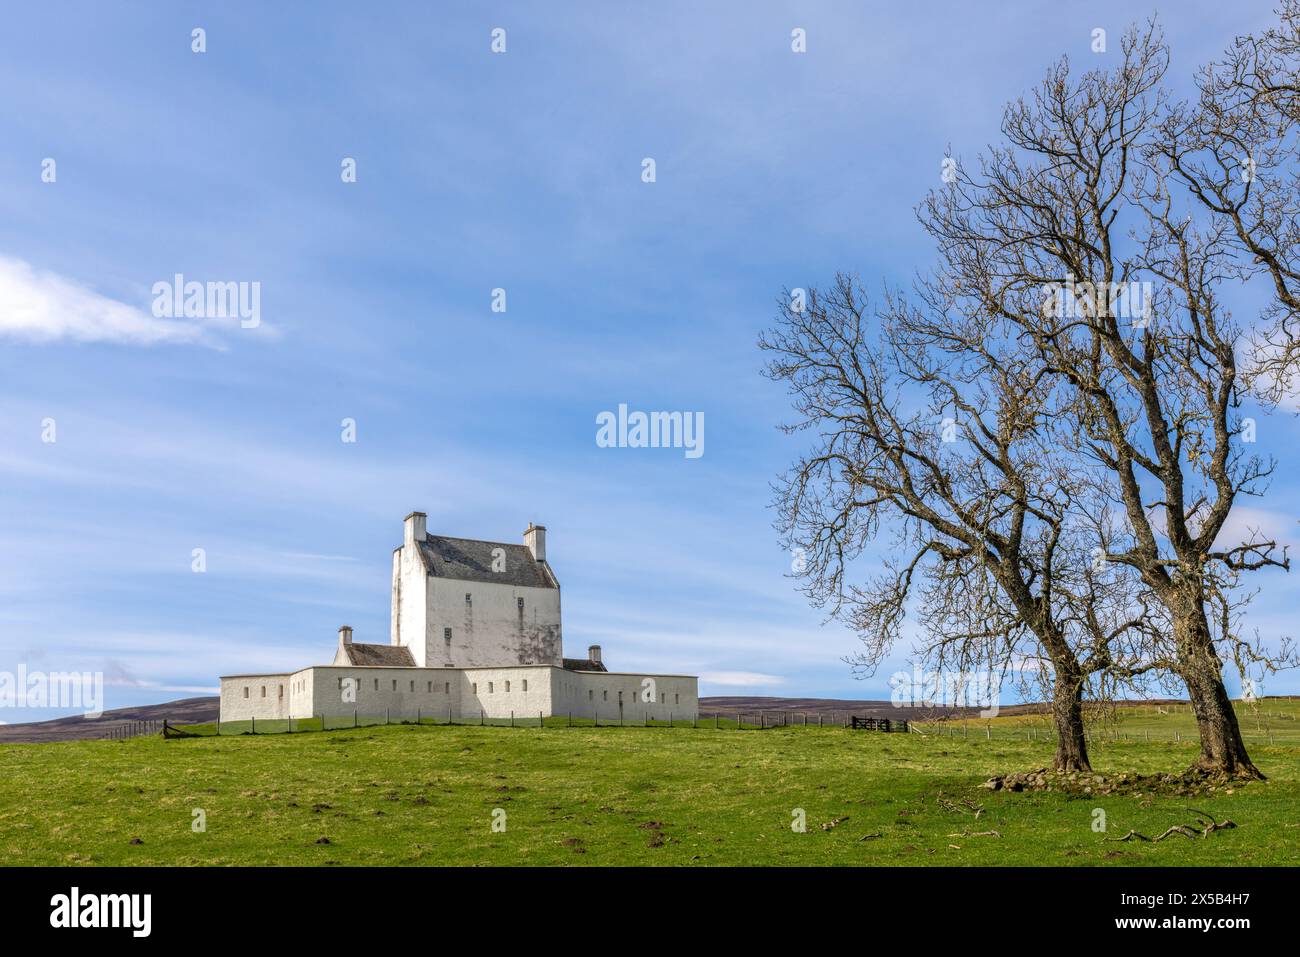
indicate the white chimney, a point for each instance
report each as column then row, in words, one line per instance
column 535, row 540
column 414, row 528
column 593, row 654
column 345, row 634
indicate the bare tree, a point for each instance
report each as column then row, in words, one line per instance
column 1053, row 242
column 978, row 505
column 1236, row 150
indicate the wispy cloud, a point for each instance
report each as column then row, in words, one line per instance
column 741, row 679
column 41, row 306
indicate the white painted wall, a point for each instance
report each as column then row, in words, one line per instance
column 255, row 696
column 594, row 694
column 410, row 604
column 404, row 693
column 492, row 628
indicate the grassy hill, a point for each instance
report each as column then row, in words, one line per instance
column 406, row 794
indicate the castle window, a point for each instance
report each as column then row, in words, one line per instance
column 245, row 692
column 490, row 687
column 521, row 604
column 446, row 635
column 605, row 695
column 590, row 694
column 263, row 691
column 394, row 684
column 525, row 684
column 620, row 696
column 281, row 691
column 446, row 687
column 376, row 684
column 469, row 599
column 677, row 699
column 430, row 691
column 340, row 683
column 473, row 689
column 412, row 685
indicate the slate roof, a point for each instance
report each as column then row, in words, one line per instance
column 583, row 664
column 468, row 559
column 374, row 655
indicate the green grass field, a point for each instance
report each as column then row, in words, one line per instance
column 406, row 794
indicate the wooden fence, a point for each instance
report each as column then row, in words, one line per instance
column 134, row 729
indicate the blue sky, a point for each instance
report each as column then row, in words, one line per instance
column 475, row 171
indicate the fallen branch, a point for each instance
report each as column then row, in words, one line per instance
column 1207, row 826
column 1131, row 835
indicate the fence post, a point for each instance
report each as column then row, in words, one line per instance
column 388, row 714
column 988, row 731
column 570, row 719
column 252, row 725
column 417, row 715
column 218, row 724
column 512, row 718
column 482, row 717
column 541, row 722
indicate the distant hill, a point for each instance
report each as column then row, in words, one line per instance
column 730, row 706
column 201, row 710
column 78, row 728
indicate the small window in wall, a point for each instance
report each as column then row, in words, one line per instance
column 430, row 691
column 677, row 699
column 620, row 696
column 490, row 689
column 446, row 687
column 473, row 688
column 446, row 635
column 245, row 692
column 525, row 684
column 605, row 695
column 281, row 691
column 590, row 694
column 263, row 691
column 412, row 685
column 376, row 684
column 394, row 684
column 340, row 683
column 469, row 599
column 507, row 687
column 521, row 604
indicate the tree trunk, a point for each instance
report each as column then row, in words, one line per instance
column 1222, row 748
column 1067, row 716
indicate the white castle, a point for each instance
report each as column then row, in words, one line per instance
column 475, row 632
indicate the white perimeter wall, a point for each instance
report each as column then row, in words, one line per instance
column 404, row 693
column 594, row 694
